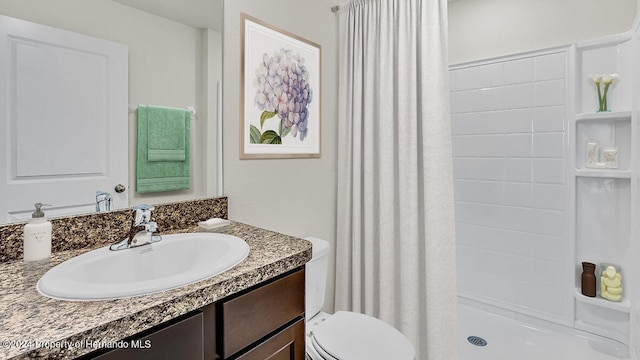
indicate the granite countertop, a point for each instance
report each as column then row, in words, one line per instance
column 32, row 325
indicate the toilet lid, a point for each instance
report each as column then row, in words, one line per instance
column 351, row 336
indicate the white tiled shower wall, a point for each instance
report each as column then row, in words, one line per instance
column 510, row 150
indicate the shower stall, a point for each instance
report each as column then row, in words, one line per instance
column 532, row 203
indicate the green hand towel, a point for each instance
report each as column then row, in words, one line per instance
column 156, row 176
column 166, row 131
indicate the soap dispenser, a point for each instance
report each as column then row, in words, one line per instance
column 37, row 236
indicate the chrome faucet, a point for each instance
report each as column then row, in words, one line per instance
column 104, row 201
column 141, row 230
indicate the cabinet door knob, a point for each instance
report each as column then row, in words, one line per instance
column 120, row 188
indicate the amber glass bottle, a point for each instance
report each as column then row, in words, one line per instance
column 588, row 279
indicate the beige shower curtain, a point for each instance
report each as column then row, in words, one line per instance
column 395, row 243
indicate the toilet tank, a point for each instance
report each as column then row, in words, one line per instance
column 316, row 277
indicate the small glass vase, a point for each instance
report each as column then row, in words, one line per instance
column 603, row 104
column 604, row 98
column 603, row 82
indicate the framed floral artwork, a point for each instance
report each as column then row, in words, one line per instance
column 279, row 93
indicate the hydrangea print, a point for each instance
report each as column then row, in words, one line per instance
column 282, row 89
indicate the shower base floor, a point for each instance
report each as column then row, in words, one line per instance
column 507, row 338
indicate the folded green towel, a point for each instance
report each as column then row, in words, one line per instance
column 166, row 131
column 156, row 176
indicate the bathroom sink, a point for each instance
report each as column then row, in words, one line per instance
column 176, row 260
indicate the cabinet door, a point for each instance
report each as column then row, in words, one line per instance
column 181, row 340
column 254, row 315
column 285, row 345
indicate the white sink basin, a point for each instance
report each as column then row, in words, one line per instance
column 177, row 260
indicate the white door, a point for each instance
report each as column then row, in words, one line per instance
column 63, row 120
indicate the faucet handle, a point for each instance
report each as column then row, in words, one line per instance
column 151, row 226
column 142, row 213
column 143, row 207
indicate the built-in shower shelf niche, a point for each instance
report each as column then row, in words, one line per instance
column 603, row 221
column 621, row 306
column 611, row 129
column 604, row 56
column 605, row 115
column 613, row 174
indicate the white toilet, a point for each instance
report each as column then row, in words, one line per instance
column 345, row 335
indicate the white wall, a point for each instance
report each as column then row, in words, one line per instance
column 293, row 196
column 479, row 29
column 165, row 66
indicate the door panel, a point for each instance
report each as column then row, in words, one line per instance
column 63, row 116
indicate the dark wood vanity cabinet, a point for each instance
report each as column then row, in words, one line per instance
column 262, row 322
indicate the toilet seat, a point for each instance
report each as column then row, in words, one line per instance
column 318, row 351
column 351, row 336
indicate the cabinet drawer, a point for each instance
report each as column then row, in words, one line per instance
column 252, row 316
column 181, row 340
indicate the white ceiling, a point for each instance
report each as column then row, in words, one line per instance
column 197, row 13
